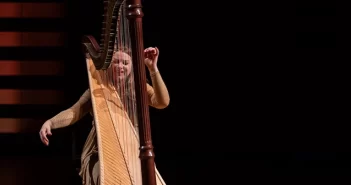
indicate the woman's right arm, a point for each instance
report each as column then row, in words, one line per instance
column 66, row 117
column 72, row 114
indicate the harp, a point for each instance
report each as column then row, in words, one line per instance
column 120, row 106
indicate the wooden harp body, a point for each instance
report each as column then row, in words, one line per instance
column 125, row 154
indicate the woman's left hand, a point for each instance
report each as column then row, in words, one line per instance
column 151, row 56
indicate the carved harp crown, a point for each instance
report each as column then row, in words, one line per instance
column 117, row 81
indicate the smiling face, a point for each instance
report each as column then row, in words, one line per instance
column 121, row 65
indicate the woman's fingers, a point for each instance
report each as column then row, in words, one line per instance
column 151, row 53
column 157, row 51
column 48, row 131
column 151, row 50
column 43, row 137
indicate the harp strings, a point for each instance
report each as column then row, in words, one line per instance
column 120, row 77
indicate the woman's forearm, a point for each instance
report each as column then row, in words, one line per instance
column 158, row 93
column 74, row 113
column 65, row 118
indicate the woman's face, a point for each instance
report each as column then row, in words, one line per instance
column 121, row 65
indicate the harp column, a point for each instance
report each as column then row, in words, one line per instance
column 135, row 14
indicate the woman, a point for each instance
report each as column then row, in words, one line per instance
column 121, row 66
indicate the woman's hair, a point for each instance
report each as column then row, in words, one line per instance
column 123, row 49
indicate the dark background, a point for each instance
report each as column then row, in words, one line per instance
column 247, row 104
